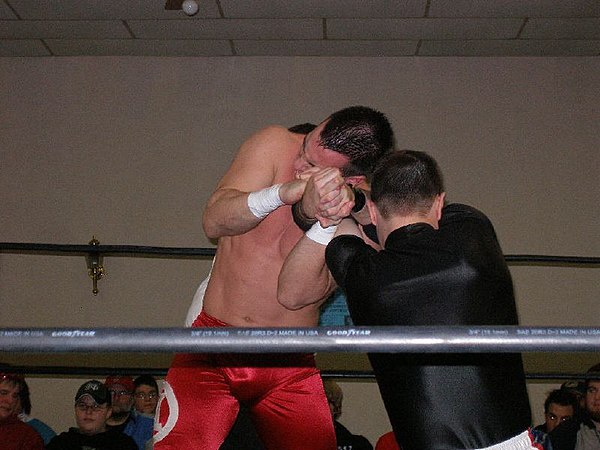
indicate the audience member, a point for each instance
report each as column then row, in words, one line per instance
column 124, row 418
column 14, row 434
column 560, row 405
column 582, row 433
column 24, row 411
column 387, row 441
column 344, row 438
column 92, row 409
column 577, row 388
column 145, row 395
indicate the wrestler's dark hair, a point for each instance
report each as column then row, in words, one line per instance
column 146, row 380
column 561, row 397
column 302, row 128
column 362, row 134
column 406, row 182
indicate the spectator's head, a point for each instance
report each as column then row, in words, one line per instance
column 592, row 393
column 145, row 394
column 560, row 406
column 24, row 406
column 577, row 388
column 335, row 396
column 121, row 390
column 11, row 387
column 92, row 407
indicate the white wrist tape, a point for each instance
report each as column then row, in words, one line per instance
column 321, row 235
column 262, row 202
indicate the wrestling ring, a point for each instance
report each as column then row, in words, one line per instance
column 60, row 357
column 454, row 339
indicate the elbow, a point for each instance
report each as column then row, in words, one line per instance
column 210, row 231
column 210, row 227
column 289, row 301
column 298, row 299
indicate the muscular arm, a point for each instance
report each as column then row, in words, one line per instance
column 305, row 278
column 255, row 167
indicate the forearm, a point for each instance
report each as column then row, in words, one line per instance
column 304, row 278
column 227, row 214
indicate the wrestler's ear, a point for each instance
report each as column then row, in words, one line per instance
column 355, row 180
column 439, row 205
column 372, row 211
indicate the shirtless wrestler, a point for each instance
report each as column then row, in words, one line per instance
column 250, row 214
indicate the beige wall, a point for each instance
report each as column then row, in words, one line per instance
column 128, row 150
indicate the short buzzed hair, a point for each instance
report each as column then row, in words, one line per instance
column 362, row 134
column 406, row 182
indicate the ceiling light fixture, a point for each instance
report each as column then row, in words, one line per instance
column 190, row 7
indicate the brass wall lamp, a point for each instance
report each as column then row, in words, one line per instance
column 94, row 266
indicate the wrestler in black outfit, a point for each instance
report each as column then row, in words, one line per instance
column 455, row 275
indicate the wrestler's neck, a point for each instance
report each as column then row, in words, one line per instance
column 385, row 226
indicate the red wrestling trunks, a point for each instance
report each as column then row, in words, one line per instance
column 201, row 394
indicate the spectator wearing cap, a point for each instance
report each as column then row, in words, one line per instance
column 124, row 417
column 92, row 409
column 145, row 395
column 24, row 413
column 14, row 434
column 583, row 433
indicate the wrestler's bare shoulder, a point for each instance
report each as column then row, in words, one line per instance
column 274, row 138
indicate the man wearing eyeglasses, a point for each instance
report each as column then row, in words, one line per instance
column 92, row 409
column 145, row 395
column 124, row 418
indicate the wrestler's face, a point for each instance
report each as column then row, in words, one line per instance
column 314, row 155
column 557, row 414
column 592, row 399
column 9, row 399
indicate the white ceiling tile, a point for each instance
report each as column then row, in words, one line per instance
column 561, row 29
column 23, row 47
column 25, row 29
column 325, row 48
column 423, row 28
column 105, row 9
column 514, row 8
column 228, row 29
column 138, row 47
column 322, row 8
column 510, row 48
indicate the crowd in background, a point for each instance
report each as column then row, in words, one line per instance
column 118, row 413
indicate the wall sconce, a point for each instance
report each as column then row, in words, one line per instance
column 94, row 266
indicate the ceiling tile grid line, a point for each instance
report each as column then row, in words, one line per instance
column 301, row 28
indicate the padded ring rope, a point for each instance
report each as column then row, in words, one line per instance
column 390, row 339
column 125, row 250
